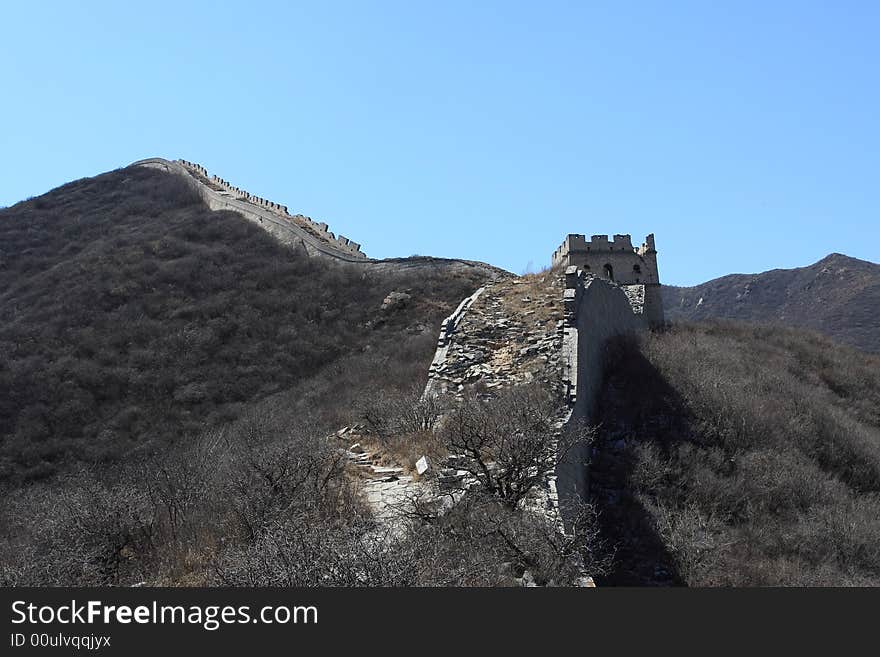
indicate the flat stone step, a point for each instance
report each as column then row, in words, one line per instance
column 378, row 469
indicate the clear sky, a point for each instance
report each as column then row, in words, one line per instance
column 743, row 134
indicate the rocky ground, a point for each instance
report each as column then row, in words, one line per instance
column 511, row 334
column 508, row 333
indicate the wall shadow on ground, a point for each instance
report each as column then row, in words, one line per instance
column 636, row 404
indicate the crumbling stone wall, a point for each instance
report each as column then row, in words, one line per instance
column 556, row 336
column 437, row 380
column 509, row 332
column 506, row 333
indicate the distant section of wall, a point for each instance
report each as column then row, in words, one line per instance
column 296, row 229
column 299, row 231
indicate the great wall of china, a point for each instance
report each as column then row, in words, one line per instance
column 296, row 230
column 549, row 328
column 512, row 332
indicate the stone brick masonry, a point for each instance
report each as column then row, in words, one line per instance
column 548, row 328
column 297, row 230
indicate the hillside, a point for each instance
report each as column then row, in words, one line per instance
column 131, row 315
column 187, row 400
column 837, row 296
column 172, row 382
column 739, row 455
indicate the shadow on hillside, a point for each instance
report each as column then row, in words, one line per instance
column 132, row 315
column 633, row 408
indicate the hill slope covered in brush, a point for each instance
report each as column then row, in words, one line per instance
column 740, row 455
column 131, row 315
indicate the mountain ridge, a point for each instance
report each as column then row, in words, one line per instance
column 836, row 296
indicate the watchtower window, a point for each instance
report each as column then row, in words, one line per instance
column 609, row 272
column 637, row 269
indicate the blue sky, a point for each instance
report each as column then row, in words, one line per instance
column 743, row 134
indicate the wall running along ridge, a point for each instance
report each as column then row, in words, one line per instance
column 296, row 230
column 292, row 230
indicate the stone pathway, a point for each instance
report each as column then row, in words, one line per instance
column 388, row 490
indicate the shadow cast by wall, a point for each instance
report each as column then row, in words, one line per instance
column 636, row 405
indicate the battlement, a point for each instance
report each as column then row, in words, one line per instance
column 616, row 260
column 575, row 243
column 318, row 229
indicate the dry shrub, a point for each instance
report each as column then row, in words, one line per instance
column 751, row 455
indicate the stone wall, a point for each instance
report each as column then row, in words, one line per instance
column 505, row 334
column 220, row 195
column 437, row 383
column 616, row 260
column 595, row 310
column 508, row 333
column 318, row 229
column 299, row 231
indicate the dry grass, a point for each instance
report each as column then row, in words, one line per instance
column 543, row 312
column 399, row 450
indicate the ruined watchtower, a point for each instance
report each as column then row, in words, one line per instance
column 618, row 261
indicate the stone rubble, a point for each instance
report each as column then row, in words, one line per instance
column 509, row 332
column 395, row 300
column 496, row 343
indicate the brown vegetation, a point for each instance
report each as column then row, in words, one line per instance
column 266, row 502
column 135, row 323
column 740, row 455
column 132, row 316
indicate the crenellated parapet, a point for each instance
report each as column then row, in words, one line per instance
column 319, row 230
column 299, row 231
column 617, row 261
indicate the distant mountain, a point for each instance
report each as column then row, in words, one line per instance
column 838, row 296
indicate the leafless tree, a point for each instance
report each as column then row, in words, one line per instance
column 389, row 413
column 509, row 443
